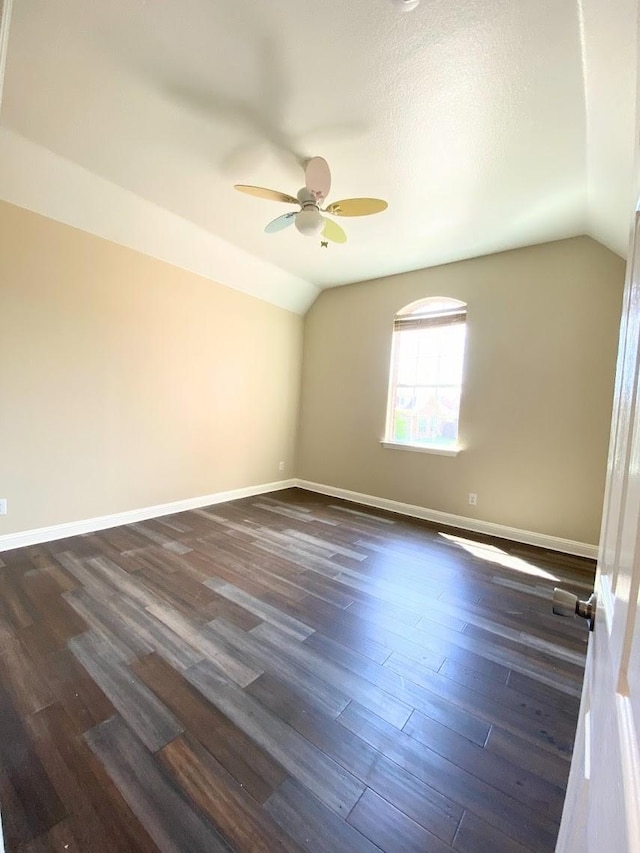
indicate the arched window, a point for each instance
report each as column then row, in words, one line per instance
column 426, row 374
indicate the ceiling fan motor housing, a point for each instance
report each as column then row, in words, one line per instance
column 306, row 198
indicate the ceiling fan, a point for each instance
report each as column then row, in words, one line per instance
column 309, row 219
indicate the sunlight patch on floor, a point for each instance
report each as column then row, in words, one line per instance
column 492, row 554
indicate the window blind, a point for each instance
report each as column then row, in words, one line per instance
column 405, row 322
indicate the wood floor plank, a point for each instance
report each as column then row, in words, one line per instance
column 154, row 724
column 325, row 589
column 516, row 713
column 290, row 705
column 326, row 544
column 337, row 788
column 478, row 836
column 8, row 634
column 63, row 833
column 565, row 676
column 154, row 635
column 104, row 579
column 319, row 693
column 351, row 684
column 364, row 515
column 295, row 628
column 234, row 563
column 43, row 560
column 17, row 832
column 18, row 674
column 412, row 695
column 168, row 817
column 517, row 612
column 105, row 621
column 26, row 782
column 238, row 670
column 428, row 648
column 424, row 804
column 552, row 767
column 150, row 532
column 283, row 574
column 17, row 608
column 179, row 591
column 38, row 640
column 123, row 539
column 544, row 692
column 73, row 688
column 506, row 814
column 509, row 777
column 45, row 592
column 289, row 513
column 237, row 817
column 457, row 671
column 251, row 766
column 232, row 612
column 99, row 819
column 390, row 829
column 431, row 635
column 312, row 824
column 289, row 672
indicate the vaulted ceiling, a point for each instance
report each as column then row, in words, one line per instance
column 486, row 124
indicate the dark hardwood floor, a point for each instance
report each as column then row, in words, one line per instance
column 286, row 673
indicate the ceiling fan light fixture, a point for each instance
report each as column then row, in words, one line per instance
column 405, row 5
column 309, row 222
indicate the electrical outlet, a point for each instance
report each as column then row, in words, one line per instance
column 281, row 466
column 473, row 499
column 3, row 506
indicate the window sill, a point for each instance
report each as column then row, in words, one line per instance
column 422, row 448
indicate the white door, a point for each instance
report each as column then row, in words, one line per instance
column 5, row 16
column 602, row 807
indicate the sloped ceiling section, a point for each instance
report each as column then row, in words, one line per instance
column 36, row 179
column 486, row 124
column 610, row 51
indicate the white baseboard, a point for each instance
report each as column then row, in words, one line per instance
column 90, row 525
column 527, row 537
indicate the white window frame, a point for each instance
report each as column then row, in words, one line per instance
column 440, row 305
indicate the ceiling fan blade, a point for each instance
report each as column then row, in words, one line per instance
column 317, row 177
column 357, row 206
column 280, row 223
column 332, row 231
column 261, row 192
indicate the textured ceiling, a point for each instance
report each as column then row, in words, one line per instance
column 486, row 124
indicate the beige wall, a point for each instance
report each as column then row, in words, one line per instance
column 126, row 382
column 538, row 385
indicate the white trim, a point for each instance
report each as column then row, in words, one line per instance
column 90, row 525
column 606, row 600
column 527, row 537
column 422, row 448
column 5, row 20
